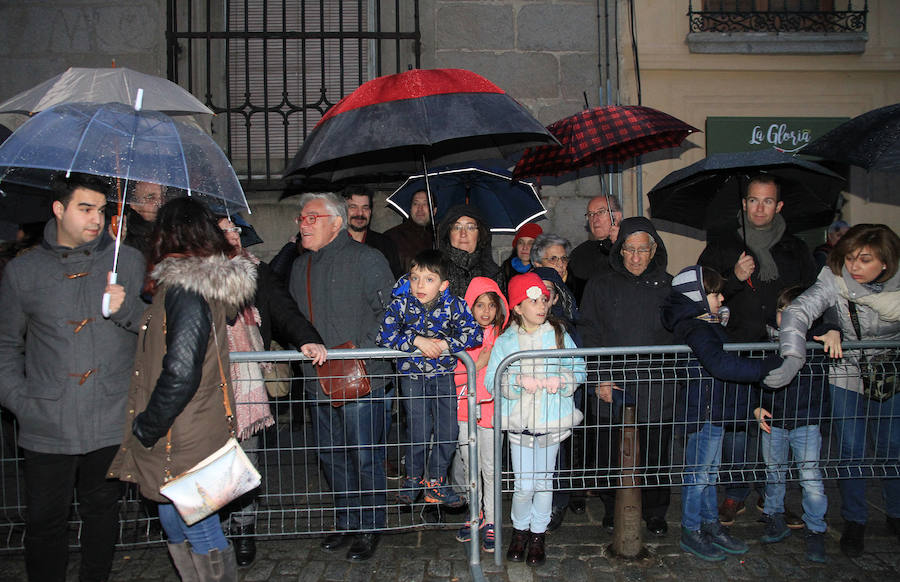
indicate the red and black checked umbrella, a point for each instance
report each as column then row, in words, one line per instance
column 602, row 136
column 393, row 125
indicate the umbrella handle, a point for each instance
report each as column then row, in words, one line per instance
column 104, row 307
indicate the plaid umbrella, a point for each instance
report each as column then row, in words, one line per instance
column 870, row 140
column 602, row 136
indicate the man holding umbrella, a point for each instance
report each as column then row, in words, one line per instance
column 758, row 259
column 65, row 372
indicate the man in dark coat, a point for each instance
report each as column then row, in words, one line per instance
column 756, row 269
column 621, row 308
column 414, row 234
column 592, row 256
column 359, row 219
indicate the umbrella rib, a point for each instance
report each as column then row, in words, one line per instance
column 81, row 141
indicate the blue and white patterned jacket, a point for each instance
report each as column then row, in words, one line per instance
column 406, row 318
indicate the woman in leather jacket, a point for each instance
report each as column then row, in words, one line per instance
column 177, row 394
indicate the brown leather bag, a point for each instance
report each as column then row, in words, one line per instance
column 343, row 380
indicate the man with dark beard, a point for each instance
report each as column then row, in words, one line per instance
column 359, row 214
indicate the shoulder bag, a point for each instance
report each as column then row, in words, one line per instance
column 880, row 374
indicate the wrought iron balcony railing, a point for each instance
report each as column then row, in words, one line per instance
column 724, row 17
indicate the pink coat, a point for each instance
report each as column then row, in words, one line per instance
column 477, row 287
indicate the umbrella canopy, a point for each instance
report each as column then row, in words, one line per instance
column 120, row 142
column 105, row 85
column 602, row 136
column 505, row 205
column 391, row 126
column 707, row 194
column 870, row 140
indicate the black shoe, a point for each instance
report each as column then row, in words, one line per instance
column 577, row 505
column 557, row 514
column 852, row 543
column 335, row 541
column 609, row 523
column 245, row 549
column 657, row 526
column 536, row 552
column 363, row 547
column 893, row 524
column 518, row 545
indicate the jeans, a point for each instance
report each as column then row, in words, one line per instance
column 857, row 419
column 205, row 535
column 702, row 456
column 350, row 442
column 533, row 498
column 805, row 443
column 735, row 460
column 431, row 406
column 50, row 480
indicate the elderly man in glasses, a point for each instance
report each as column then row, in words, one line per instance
column 343, row 287
column 591, row 257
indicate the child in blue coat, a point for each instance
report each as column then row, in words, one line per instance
column 711, row 398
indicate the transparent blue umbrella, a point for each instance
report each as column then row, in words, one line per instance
column 123, row 142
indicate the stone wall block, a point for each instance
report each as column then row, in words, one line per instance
column 557, row 27
column 472, row 26
column 522, row 75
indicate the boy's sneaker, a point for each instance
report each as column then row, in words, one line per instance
column 487, row 538
column 729, row 509
column 776, row 529
column 464, row 534
column 815, row 546
column 438, row 491
column 698, row 543
column 718, row 535
column 410, row 490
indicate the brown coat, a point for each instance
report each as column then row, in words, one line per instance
column 200, row 427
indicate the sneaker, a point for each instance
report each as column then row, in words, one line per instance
column 487, row 538
column 815, row 546
column 464, row 534
column 437, row 491
column 697, row 543
column 720, row 537
column 776, row 529
column 852, row 540
column 410, row 490
column 729, row 509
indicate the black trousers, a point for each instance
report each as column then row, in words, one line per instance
column 50, row 480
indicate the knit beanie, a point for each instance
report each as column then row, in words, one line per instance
column 530, row 230
column 526, row 286
column 689, row 283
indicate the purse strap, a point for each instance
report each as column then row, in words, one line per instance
column 309, row 288
column 229, row 413
column 854, row 319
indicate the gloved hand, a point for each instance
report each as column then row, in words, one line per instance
column 529, row 383
column 139, row 431
column 783, row 375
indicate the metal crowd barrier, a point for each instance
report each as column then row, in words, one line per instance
column 652, row 382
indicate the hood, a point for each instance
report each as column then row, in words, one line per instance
column 481, row 285
column 687, row 298
column 216, row 278
column 629, row 226
column 452, row 215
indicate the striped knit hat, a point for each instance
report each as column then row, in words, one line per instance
column 689, row 282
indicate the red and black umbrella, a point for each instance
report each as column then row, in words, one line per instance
column 602, row 136
column 393, row 125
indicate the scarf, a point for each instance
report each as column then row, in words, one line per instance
column 252, row 412
column 519, row 266
column 760, row 241
column 885, row 303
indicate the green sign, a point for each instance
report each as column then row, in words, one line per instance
column 745, row 134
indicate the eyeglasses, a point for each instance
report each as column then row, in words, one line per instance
column 310, row 218
column 638, row 250
column 555, row 260
column 600, row 213
column 467, row 227
column 236, row 229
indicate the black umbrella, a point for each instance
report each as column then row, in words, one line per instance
column 707, row 194
column 870, row 140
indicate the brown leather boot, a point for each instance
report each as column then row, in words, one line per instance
column 536, row 554
column 517, row 546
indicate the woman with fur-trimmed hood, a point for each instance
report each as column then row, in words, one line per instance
column 176, row 394
column 465, row 240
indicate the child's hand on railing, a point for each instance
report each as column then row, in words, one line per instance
column 552, row 384
column 529, row 383
column 761, row 414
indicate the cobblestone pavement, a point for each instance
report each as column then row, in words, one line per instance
column 578, row 551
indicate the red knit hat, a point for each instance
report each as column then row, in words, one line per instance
column 520, row 288
column 530, row 230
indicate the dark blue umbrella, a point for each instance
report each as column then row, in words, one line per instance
column 505, row 205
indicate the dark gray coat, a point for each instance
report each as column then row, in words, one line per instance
column 67, row 382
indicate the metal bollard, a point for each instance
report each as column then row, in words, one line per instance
column 627, row 542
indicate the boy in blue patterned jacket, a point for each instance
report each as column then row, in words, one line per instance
column 425, row 316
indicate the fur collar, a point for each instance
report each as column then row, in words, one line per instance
column 215, row 278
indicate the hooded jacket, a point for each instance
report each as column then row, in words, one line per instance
column 406, row 318
column 64, row 368
column 622, row 309
column 465, row 266
column 716, row 382
column 478, row 287
column 176, row 384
